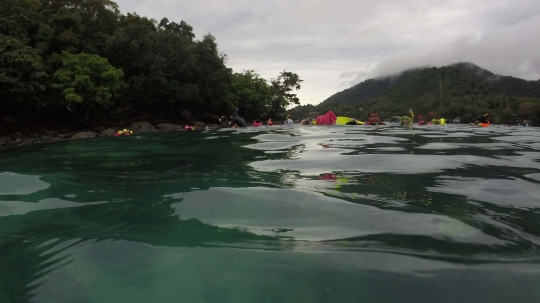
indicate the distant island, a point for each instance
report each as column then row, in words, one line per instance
column 78, row 65
column 458, row 92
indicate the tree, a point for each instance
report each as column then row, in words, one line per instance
column 282, row 91
column 183, row 29
column 87, row 81
column 212, row 77
column 251, row 94
column 79, row 25
column 528, row 110
column 18, row 18
column 22, row 79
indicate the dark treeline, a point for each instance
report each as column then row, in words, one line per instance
column 462, row 90
column 82, row 61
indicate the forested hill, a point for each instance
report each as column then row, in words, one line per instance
column 82, row 61
column 460, row 90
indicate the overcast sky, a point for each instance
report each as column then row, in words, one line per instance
column 334, row 44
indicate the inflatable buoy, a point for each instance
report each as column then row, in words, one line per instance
column 441, row 121
column 124, row 132
column 345, row 120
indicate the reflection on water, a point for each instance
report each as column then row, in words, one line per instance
column 283, row 214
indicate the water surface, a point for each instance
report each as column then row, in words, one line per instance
column 282, row 214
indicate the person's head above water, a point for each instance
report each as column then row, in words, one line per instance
column 483, row 119
column 373, row 117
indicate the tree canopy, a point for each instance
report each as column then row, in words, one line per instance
column 80, row 56
column 87, row 81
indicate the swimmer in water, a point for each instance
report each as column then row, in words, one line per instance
column 238, row 121
column 373, row 119
column 353, row 122
column 288, row 121
column 483, row 120
column 223, row 122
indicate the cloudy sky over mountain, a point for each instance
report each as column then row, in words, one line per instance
column 335, row 44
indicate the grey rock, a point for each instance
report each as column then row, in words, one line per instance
column 165, row 127
column 109, row 132
column 199, row 124
column 84, row 135
column 46, row 138
column 141, row 127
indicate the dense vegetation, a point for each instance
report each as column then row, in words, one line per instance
column 82, row 61
column 461, row 90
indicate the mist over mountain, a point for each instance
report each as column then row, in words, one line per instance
column 462, row 90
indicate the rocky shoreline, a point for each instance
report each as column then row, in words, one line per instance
column 30, row 137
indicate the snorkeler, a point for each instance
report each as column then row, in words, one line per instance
column 373, row 119
column 288, row 121
column 237, row 120
column 224, row 122
column 407, row 120
column 483, row 120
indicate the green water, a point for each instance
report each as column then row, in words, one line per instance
column 383, row 214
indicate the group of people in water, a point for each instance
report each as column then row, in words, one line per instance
column 373, row 118
column 235, row 121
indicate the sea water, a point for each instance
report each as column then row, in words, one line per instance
column 275, row 214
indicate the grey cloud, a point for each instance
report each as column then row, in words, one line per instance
column 335, row 44
column 507, row 51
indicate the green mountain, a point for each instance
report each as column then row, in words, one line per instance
column 460, row 90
